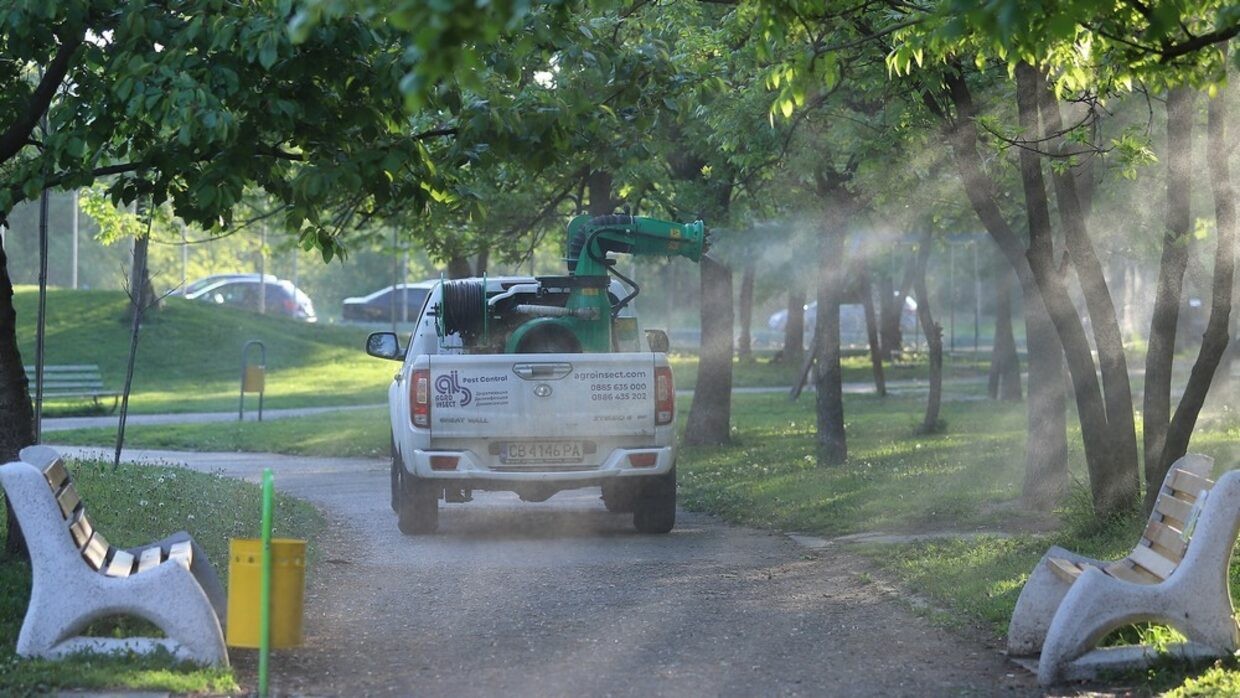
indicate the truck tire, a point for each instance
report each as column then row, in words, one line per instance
column 654, row 510
column 619, row 497
column 419, row 507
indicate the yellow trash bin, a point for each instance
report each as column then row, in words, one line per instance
column 288, row 584
column 255, row 380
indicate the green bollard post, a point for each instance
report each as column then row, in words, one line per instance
column 264, row 604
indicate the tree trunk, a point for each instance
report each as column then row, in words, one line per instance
column 1004, row 380
column 16, row 411
column 1170, row 288
column 1113, row 476
column 1046, row 451
column 890, row 341
column 871, row 331
column 829, row 377
column 482, row 261
column 1215, row 340
column 710, row 415
column 744, row 344
column 1112, row 363
column 137, row 306
column 459, row 267
column 794, row 328
column 598, row 184
column 934, row 341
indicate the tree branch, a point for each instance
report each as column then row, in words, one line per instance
column 18, row 132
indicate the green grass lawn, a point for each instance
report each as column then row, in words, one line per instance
column 134, row 505
column 352, row 433
column 763, row 372
column 189, row 354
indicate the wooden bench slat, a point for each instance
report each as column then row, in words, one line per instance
column 1125, row 570
column 150, row 558
column 1066, row 569
column 183, row 553
column 81, row 529
column 1190, row 484
column 96, row 551
column 68, row 499
column 56, row 475
column 1165, row 540
column 1173, row 508
column 121, row 564
column 1152, row 561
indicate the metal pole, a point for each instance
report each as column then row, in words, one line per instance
column 75, row 239
column 395, row 281
column 40, row 330
column 404, row 281
column 184, row 258
column 40, row 336
column 264, row 594
column 262, row 270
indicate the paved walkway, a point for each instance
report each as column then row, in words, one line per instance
column 562, row 598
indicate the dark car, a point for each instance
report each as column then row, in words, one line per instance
column 281, row 297
column 377, row 307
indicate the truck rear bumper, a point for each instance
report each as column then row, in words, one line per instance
column 468, row 467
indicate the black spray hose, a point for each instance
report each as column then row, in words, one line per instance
column 610, row 266
column 464, row 308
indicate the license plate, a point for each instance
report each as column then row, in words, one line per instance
column 542, row 452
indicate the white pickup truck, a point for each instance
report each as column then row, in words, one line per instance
column 467, row 416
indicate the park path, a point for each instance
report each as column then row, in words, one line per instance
column 563, row 598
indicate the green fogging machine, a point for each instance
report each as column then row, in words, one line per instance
column 566, row 314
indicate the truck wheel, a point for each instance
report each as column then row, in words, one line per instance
column 619, row 497
column 419, row 507
column 654, row 509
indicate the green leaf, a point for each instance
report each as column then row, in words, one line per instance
column 267, row 54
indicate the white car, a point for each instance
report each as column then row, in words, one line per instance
column 852, row 321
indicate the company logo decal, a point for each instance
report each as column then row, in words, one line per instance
column 448, row 387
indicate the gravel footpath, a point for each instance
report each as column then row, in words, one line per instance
column 563, row 598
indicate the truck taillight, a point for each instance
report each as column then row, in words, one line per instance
column 664, row 396
column 420, row 397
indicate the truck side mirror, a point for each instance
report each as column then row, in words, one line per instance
column 657, row 341
column 384, row 345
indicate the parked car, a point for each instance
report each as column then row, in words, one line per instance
column 377, row 307
column 852, row 321
column 281, row 296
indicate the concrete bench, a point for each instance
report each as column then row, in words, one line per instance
column 1176, row 576
column 78, row 577
column 72, row 381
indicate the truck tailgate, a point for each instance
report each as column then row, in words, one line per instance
column 540, row 396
